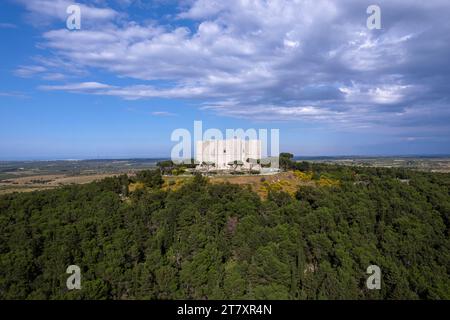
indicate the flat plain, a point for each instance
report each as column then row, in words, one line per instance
column 26, row 176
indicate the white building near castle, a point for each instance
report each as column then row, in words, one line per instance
column 221, row 154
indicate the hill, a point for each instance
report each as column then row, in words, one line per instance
column 204, row 240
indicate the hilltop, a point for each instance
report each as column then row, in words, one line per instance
column 207, row 239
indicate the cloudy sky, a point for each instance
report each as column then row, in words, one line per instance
column 137, row 70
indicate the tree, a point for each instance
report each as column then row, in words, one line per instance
column 235, row 164
column 303, row 166
column 150, row 178
column 207, row 240
column 166, row 166
column 252, row 163
column 286, row 160
column 208, row 165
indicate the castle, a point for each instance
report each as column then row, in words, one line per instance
column 230, row 154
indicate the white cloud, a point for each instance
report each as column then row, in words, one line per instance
column 53, row 76
column 29, row 71
column 47, row 11
column 13, row 94
column 385, row 94
column 84, row 86
column 274, row 60
column 203, row 9
column 163, row 114
column 6, row 25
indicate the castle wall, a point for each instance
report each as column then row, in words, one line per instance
column 222, row 152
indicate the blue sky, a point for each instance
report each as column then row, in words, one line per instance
column 137, row 70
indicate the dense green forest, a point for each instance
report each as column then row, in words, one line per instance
column 222, row 241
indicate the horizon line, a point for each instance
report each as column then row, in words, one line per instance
column 424, row 155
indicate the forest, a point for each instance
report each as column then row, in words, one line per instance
column 207, row 240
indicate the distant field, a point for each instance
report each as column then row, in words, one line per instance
column 43, row 182
column 15, row 169
column 428, row 164
column 25, row 176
